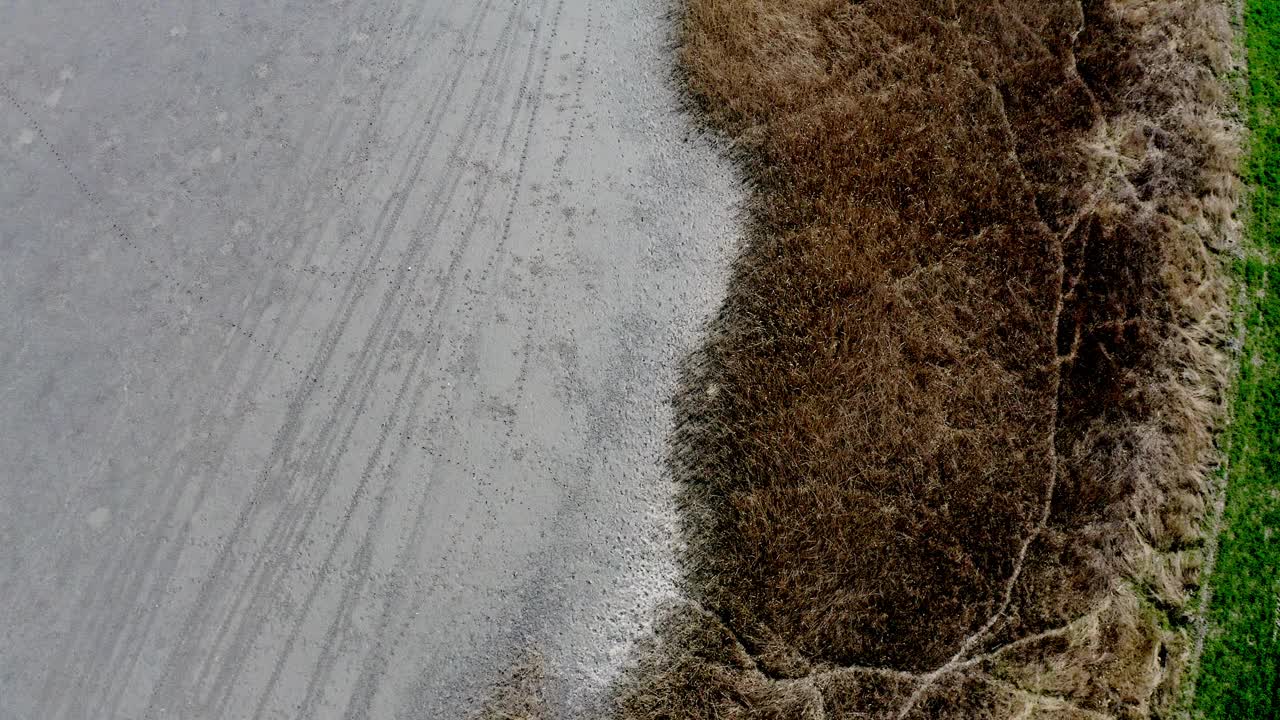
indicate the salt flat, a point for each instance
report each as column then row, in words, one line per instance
column 335, row 347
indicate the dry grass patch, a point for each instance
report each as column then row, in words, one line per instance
column 520, row 694
column 945, row 451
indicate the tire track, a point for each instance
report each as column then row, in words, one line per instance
column 352, row 590
column 175, row 288
column 384, row 227
column 359, row 704
column 334, row 516
column 331, row 428
column 334, row 457
column 246, row 593
column 257, row 374
column 247, row 631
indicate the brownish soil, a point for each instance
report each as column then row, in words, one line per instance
column 946, row 451
column 520, row 694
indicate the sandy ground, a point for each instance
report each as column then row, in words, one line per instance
column 335, row 346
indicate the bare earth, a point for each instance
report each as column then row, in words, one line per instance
column 335, row 346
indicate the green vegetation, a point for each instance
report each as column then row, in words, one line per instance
column 1240, row 669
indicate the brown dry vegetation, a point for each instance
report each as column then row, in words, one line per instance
column 945, row 452
column 520, row 694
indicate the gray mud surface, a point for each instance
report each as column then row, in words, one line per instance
column 336, row 341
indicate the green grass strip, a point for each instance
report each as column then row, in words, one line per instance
column 1240, row 668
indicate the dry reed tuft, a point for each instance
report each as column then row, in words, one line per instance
column 945, row 452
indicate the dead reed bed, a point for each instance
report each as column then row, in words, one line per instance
column 946, row 451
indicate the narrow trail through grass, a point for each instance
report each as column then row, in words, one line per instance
column 1240, row 668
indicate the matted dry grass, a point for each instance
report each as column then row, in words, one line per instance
column 945, row 452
